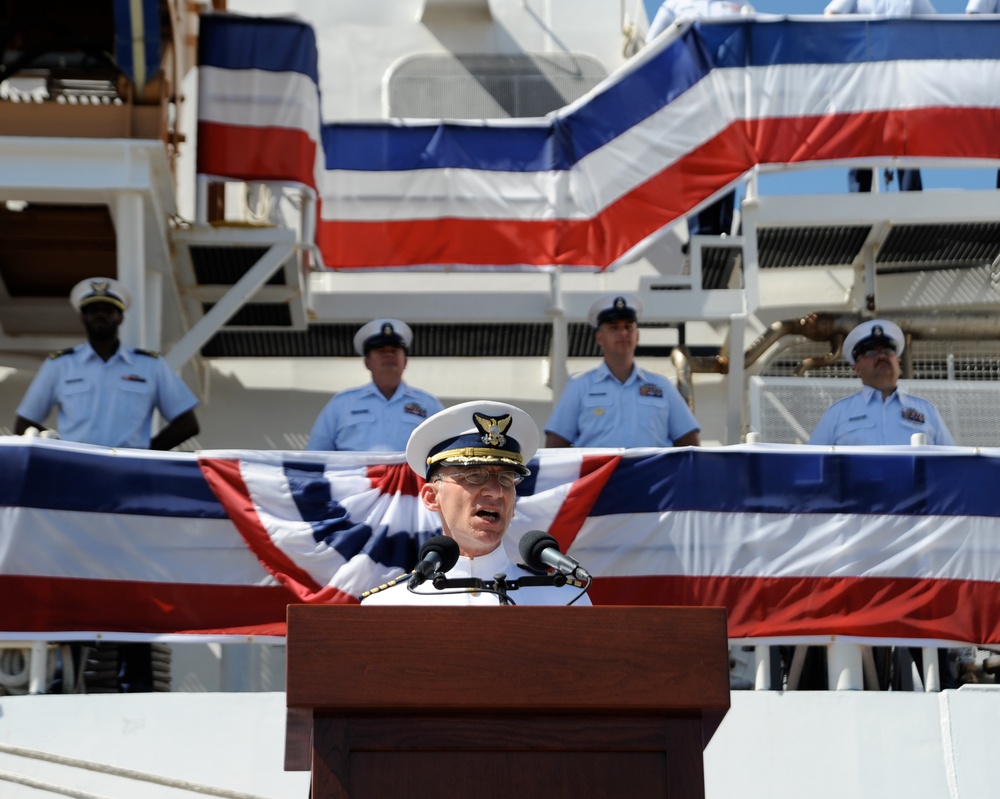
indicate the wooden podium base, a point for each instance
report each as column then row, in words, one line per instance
column 573, row 757
column 505, row 702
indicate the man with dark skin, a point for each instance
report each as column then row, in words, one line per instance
column 106, row 392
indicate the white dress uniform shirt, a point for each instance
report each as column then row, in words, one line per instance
column 485, row 567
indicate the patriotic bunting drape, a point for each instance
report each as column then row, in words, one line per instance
column 586, row 185
column 794, row 541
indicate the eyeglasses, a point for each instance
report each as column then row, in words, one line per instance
column 875, row 352
column 478, row 477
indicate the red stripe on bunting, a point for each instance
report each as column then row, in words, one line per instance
column 224, row 478
column 570, row 242
column 896, row 608
column 140, row 607
column 250, row 153
column 595, row 470
column 665, row 197
column 395, row 479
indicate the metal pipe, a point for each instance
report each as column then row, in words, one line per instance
column 836, row 347
column 681, row 358
column 833, row 327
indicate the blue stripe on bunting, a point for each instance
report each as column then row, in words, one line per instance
column 768, row 481
column 272, row 44
column 566, row 137
column 332, row 525
column 803, row 483
column 552, row 145
column 851, row 41
column 73, row 480
column 126, row 53
column 376, row 146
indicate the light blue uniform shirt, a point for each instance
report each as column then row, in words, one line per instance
column 888, row 8
column 982, row 7
column 596, row 410
column 672, row 10
column 362, row 419
column 106, row 403
column 863, row 419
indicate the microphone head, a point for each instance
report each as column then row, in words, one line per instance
column 445, row 548
column 531, row 546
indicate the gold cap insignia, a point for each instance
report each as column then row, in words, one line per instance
column 492, row 429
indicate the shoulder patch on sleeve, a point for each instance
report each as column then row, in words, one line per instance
column 59, row 353
column 147, row 353
column 382, row 587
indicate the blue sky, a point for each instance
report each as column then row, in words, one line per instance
column 833, row 180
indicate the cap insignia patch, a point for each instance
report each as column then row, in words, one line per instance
column 492, row 429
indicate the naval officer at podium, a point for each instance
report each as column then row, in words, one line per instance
column 472, row 457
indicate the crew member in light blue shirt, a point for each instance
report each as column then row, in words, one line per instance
column 887, row 8
column 879, row 413
column 379, row 416
column 106, row 392
column 618, row 404
column 672, row 10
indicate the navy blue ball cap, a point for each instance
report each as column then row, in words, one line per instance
column 477, row 433
column 382, row 333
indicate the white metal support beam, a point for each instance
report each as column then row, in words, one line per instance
column 234, row 299
column 559, row 351
column 735, row 379
column 131, row 251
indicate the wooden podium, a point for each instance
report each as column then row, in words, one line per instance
column 443, row 702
